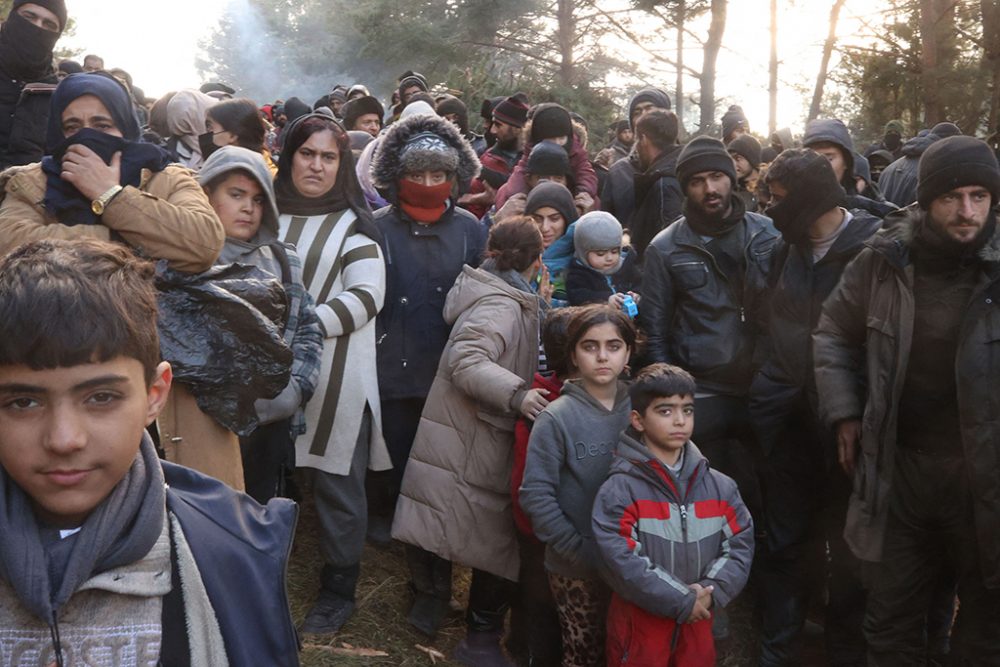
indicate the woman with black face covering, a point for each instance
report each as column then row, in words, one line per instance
column 98, row 180
column 324, row 214
column 235, row 123
column 27, row 39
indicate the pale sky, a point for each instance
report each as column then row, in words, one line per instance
column 159, row 49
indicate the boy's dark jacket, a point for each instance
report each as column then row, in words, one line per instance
column 585, row 285
column 658, row 533
column 241, row 549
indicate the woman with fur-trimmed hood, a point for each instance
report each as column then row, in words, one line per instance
column 421, row 167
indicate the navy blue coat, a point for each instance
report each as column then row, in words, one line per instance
column 422, row 263
column 241, row 549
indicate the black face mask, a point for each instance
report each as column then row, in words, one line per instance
column 790, row 221
column 206, row 142
column 26, row 49
column 892, row 141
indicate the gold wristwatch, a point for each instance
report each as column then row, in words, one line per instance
column 101, row 203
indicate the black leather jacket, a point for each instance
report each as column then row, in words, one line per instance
column 690, row 313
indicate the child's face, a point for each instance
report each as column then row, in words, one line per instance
column 601, row 355
column 604, row 260
column 69, row 435
column 239, row 203
column 667, row 423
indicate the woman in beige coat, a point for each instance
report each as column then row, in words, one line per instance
column 455, row 501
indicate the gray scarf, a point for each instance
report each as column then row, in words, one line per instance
column 121, row 530
column 514, row 279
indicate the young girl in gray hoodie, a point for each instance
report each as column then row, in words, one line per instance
column 569, row 454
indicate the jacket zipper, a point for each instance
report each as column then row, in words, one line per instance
column 56, row 640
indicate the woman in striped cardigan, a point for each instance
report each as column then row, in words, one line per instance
column 323, row 213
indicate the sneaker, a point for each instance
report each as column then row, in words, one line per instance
column 328, row 615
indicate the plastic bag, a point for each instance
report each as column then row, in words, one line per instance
column 221, row 331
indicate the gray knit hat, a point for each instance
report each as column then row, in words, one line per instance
column 230, row 158
column 427, row 151
column 597, row 230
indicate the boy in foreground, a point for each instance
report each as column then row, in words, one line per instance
column 675, row 538
column 109, row 555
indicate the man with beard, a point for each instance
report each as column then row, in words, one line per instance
column 618, row 193
column 364, row 114
column 509, row 117
column 905, row 369
column 805, row 494
column 703, row 303
column 658, row 195
column 27, row 79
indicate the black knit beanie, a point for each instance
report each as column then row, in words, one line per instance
column 57, row 7
column 732, row 119
column 746, row 146
column 955, row 162
column 548, row 159
column 704, row 154
column 812, row 190
column 659, row 99
column 550, row 121
column 554, row 195
column 946, row 129
column 451, row 104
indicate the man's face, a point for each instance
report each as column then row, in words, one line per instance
column 626, row 136
column 505, row 134
column 643, row 108
column 835, row 155
column 961, row 213
column 92, row 64
column 743, row 166
column 336, row 105
column 369, row 122
column 710, row 192
column 39, row 16
column 778, row 192
column 410, row 92
column 69, row 435
column 88, row 111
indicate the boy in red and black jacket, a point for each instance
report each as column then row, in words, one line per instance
column 674, row 535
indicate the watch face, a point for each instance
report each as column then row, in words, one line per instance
column 97, row 207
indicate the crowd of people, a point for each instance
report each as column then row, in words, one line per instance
column 616, row 381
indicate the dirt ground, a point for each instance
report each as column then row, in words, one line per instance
column 379, row 623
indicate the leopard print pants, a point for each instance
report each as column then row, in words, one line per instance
column 582, row 605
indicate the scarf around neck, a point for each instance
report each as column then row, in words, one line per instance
column 119, row 531
column 704, row 226
column 292, row 202
column 424, row 203
column 66, row 202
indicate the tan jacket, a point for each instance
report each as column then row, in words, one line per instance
column 455, row 499
column 167, row 217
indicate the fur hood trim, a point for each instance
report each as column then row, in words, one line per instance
column 387, row 164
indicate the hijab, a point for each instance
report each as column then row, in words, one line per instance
column 62, row 198
column 346, row 191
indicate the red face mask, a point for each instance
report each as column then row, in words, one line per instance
column 424, row 203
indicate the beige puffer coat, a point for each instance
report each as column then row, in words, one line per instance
column 455, row 498
column 167, row 217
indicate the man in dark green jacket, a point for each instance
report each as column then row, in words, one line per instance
column 906, row 368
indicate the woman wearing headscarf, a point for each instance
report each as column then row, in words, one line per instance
column 98, row 180
column 324, row 215
column 186, row 113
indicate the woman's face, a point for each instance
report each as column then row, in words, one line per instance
column 315, row 164
column 220, row 135
column 551, row 223
column 239, row 202
column 88, row 111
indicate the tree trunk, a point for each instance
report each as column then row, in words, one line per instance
column 679, row 90
column 991, row 59
column 565, row 36
column 772, row 70
column 711, row 53
column 831, row 39
column 937, row 19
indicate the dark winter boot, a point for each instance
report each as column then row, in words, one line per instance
column 335, row 603
column 430, row 579
column 481, row 649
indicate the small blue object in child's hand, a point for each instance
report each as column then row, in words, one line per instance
column 629, row 307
